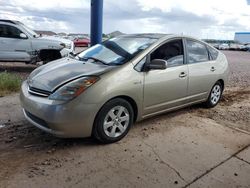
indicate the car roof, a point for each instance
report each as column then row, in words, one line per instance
column 159, row 36
column 8, row 21
column 11, row 21
column 145, row 35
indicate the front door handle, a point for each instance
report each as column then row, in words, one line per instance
column 183, row 75
column 212, row 69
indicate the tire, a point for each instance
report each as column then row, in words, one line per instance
column 113, row 121
column 215, row 95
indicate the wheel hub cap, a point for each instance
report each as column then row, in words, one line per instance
column 116, row 121
column 215, row 95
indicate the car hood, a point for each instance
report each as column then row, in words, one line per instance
column 59, row 39
column 43, row 43
column 54, row 74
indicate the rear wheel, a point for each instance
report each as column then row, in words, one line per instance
column 113, row 121
column 215, row 95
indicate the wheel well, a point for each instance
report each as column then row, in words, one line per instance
column 222, row 83
column 49, row 54
column 127, row 98
column 132, row 102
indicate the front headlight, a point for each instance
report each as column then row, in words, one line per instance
column 68, row 46
column 73, row 89
column 63, row 45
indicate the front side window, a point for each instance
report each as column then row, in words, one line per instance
column 197, row 52
column 117, row 51
column 171, row 51
column 8, row 31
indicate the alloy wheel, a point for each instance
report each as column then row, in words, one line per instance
column 215, row 94
column 116, row 121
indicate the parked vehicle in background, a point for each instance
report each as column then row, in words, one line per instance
column 71, row 38
column 82, row 41
column 234, row 46
column 68, row 44
column 216, row 45
column 20, row 43
column 243, row 47
column 237, row 46
column 223, row 46
column 247, row 46
column 102, row 91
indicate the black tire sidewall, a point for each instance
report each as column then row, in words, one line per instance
column 99, row 120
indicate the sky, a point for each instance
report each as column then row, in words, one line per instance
column 218, row 19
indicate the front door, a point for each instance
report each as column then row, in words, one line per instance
column 164, row 89
column 12, row 46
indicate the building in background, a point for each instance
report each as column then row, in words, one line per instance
column 242, row 37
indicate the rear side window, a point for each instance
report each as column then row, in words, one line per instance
column 8, row 31
column 197, row 52
column 213, row 53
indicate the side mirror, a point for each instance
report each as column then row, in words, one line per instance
column 157, row 64
column 23, row 36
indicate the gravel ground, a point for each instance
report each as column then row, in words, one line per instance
column 32, row 158
column 239, row 63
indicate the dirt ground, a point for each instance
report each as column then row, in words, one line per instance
column 192, row 147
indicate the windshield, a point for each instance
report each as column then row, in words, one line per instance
column 30, row 31
column 117, row 51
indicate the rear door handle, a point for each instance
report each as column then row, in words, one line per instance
column 212, row 69
column 183, row 75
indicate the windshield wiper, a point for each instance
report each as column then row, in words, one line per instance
column 93, row 58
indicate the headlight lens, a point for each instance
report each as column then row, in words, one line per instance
column 63, row 45
column 73, row 89
column 68, row 46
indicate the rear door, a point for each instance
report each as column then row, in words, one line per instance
column 12, row 46
column 202, row 70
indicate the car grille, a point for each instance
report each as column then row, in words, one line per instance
column 36, row 119
column 39, row 92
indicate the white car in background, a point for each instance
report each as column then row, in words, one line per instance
column 223, row 46
column 247, row 46
column 68, row 44
column 242, row 47
column 19, row 43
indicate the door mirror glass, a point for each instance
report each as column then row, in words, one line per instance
column 159, row 64
column 23, row 36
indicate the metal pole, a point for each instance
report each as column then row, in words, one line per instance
column 96, row 21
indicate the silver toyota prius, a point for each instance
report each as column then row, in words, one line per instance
column 102, row 91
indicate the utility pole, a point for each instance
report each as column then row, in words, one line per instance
column 96, row 22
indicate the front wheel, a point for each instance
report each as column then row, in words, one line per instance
column 215, row 95
column 113, row 121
